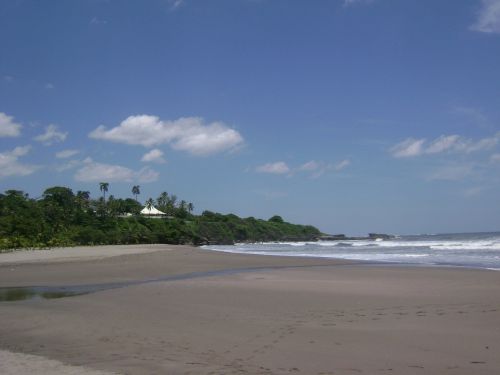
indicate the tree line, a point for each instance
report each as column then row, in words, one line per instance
column 61, row 217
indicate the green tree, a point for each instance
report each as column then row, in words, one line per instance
column 276, row 219
column 82, row 199
column 183, row 205
column 103, row 186
column 162, row 201
column 171, row 204
column 150, row 203
column 136, row 191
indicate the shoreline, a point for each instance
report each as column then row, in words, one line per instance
column 318, row 316
column 77, row 253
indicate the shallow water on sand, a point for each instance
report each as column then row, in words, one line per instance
column 9, row 294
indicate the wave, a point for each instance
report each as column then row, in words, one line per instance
column 435, row 245
column 459, row 250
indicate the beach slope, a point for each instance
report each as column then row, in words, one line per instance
column 293, row 315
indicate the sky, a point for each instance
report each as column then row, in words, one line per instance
column 355, row 116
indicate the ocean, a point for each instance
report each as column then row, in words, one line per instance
column 475, row 250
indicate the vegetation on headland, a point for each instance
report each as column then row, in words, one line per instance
column 62, row 218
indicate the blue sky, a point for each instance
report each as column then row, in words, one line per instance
column 351, row 115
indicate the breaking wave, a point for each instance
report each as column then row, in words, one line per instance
column 480, row 250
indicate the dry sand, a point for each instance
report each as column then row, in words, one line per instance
column 338, row 318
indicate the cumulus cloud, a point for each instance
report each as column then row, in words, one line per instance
column 64, row 154
column 94, row 172
column 278, row 167
column 153, row 156
column 411, row 147
column 9, row 128
column 51, row 136
column 190, row 134
column 11, row 166
column 488, row 17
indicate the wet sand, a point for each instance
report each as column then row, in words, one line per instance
column 318, row 317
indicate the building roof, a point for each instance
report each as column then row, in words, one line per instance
column 153, row 211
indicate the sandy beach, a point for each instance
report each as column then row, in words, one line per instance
column 286, row 316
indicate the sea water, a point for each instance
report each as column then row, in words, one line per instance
column 477, row 250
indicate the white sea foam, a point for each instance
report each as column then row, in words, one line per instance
column 469, row 250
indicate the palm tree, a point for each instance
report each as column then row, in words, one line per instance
column 150, row 203
column 162, row 201
column 136, row 191
column 103, row 186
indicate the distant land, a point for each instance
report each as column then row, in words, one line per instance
column 60, row 217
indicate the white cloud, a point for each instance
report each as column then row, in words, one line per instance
column 452, row 172
column 153, row 156
column 495, row 158
column 51, row 135
column 273, row 168
column 473, row 191
column 146, row 175
column 342, row 164
column 174, row 4
column 408, row 148
column 354, row 2
column 10, row 165
column 488, row 19
column 452, row 143
column 189, row 134
column 49, row 86
column 64, row 154
column 482, row 144
column 474, row 114
column 69, row 165
column 98, row 21
column 442, row 143
column 9, row 128
column 309, row 166
column 95, row 172
column 21, row 151
column 318, row 168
